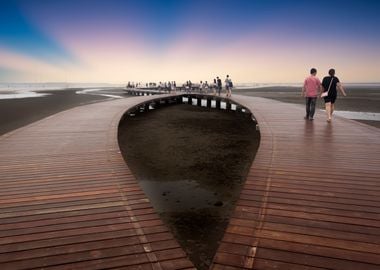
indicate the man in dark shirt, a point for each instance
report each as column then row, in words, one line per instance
column 219, row 83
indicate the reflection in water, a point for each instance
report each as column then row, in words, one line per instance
column 359, row 115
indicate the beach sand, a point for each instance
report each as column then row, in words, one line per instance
column 15, row 113
column 191, row 162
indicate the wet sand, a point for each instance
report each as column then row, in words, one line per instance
column 359, row 98
column 15, row 113
column 191, row 162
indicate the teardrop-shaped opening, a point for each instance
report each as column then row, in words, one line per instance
column 191, row 163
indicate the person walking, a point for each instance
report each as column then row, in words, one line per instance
column 330, row 84
column 187, row 87
column 228, row 83
column 206, row 87
column 219, row 83
column 190, row 86
column 311, row 87
column 169, row 87
column 174, row 87
column 214, row 87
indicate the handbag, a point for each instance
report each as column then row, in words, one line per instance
column 325, row 94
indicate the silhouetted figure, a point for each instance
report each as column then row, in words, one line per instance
column 229, row 86
column 219, row 84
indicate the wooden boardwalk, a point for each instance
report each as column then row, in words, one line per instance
column 68, row 200
column 312, row 196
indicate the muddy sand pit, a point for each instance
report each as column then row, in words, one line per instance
column 191, row 162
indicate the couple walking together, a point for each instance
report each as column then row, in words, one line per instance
column 228, row 85
column 327, row 89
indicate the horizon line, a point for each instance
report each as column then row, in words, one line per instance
column 237, row 83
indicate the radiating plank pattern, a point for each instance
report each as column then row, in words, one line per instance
column 68, row 200
column 311, row 199
column 312, row 196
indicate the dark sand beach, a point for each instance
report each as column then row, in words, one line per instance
column 15, row 113
column 191, row 162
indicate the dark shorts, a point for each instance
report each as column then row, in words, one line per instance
column 330, row 99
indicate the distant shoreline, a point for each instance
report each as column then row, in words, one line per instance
column 16, row 87
column 15, row 113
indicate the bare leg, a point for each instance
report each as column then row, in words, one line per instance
column 332, row 108
column 328, row 111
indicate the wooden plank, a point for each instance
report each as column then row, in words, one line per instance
column 311, row 199
column 68, row 200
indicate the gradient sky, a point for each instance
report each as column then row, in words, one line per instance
column 115, row 41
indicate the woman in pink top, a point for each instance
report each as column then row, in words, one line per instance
column 310, row 89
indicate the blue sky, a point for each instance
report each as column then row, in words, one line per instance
column 117, row 41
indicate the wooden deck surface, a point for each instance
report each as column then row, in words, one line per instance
column 68, row 200
column 311, row 199
column 312, row 196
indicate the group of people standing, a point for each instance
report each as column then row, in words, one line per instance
column 327, row 89
column 216, row 86
column 188, row 86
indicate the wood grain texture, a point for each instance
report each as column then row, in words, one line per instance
column 311, row 199
column 69, row 201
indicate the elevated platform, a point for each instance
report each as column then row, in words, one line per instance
column 69, row 201
column 312, row 196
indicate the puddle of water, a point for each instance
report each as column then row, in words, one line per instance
column 22, row 95
column 359, row 115
column 174, row 195
column 96, row 92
